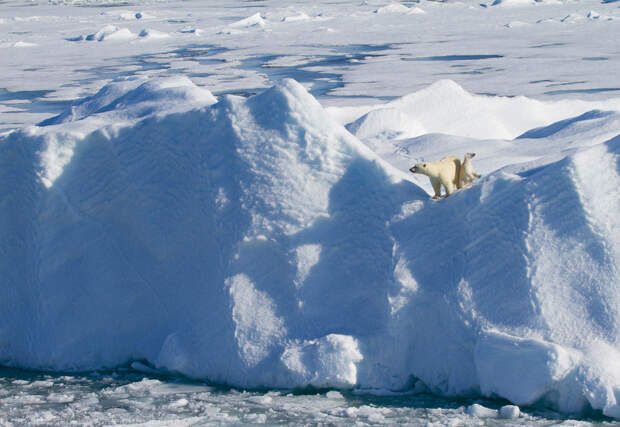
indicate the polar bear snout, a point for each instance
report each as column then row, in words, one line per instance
column 413, row 169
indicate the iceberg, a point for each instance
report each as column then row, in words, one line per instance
column 257, row 243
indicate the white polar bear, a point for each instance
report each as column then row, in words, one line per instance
column 467, row 175
column 443, row 172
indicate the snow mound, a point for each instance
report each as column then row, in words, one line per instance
column 114, row 33
column 517, row 24
column 535, row 331
column 256, row 242
column 194, row 207
column 149, row 34
column 255, row 20
column 127, row 15
column 24, row 44
column 513, row 3
column 296, row 18
column 507, row 412
column 445, row 107
column 136, row 97
column 386, row 123
column 397, row 8
column 595, row 16
column 111, row 33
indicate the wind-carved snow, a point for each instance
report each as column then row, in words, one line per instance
column 566, row 287
column 598, row 193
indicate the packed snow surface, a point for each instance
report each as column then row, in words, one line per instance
column 277, row 240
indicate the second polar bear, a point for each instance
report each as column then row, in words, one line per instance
column 467, row 175
column 444, row 172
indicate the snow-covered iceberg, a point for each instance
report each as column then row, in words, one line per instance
column 256, row 242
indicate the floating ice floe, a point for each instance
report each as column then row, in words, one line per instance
column 508, row 412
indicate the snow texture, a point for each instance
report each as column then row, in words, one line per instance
column 256, row 242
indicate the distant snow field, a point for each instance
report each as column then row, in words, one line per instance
column 221, row 192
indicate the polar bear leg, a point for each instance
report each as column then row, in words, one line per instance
column 449, row 185
column 436, row 183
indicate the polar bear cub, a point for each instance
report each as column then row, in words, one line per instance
column 467, row 175
column 444, row 172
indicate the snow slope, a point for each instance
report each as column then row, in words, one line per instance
column 445, row 107
column 256, row 242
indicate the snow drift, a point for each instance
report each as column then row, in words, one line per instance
column 445, row 107
column 256, row 242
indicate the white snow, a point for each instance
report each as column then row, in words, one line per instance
column 445, row 107
column 509, row 412
column 295, row 18
column 303, row 226
column 255, row 20
column 147, row 34
column 111, row 33
column 276, row 239
column 479, row 411
column 399, row 8
column 257, row 328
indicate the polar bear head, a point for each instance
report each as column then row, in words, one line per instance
column 419, row 168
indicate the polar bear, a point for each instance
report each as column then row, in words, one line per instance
column 444, row 172
column 467, row 175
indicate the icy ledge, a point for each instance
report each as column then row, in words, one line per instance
column 258, row 243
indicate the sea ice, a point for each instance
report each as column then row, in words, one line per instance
column 267, row 241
